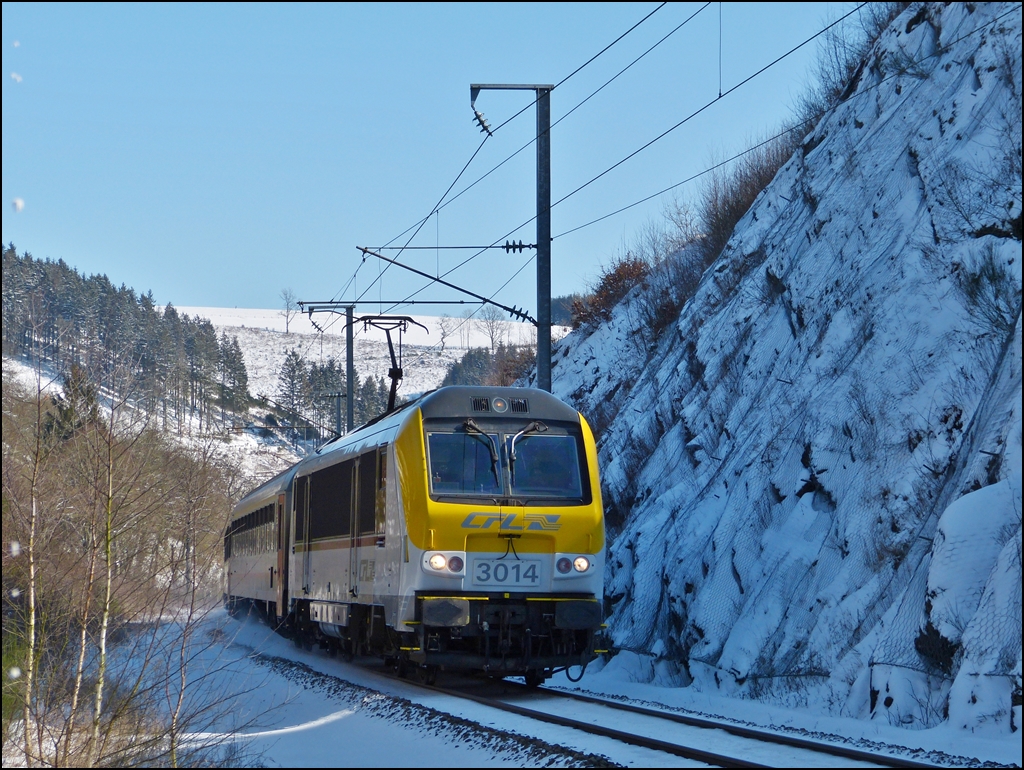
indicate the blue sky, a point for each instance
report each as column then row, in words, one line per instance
column 216, row 154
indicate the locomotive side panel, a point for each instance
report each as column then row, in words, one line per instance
column 392, row 554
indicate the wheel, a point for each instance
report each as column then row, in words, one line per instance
column 534, row 678
column 401, row 667
column 428, row 674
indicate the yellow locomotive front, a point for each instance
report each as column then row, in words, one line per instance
column 504, row 560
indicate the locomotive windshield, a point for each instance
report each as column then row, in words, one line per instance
column 544, row 466
column 464, row 464
column 488, row 464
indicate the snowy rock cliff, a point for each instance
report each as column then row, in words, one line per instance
column 813, row 475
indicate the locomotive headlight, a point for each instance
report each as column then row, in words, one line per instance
column 581, row 564
column 563, row 565
column 444, row 565
column 437, row 561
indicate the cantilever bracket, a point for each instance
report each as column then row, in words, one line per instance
column 389, row 323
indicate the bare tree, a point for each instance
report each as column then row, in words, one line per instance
column 493, row 322
column 446, row 326
column 466, row 328
column 290, row 308
column 113, row 569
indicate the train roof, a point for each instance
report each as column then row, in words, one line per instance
column 274, row 486
column 478, row 400
column 463, row 401
column 444, row 403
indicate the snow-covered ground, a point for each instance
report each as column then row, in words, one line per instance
column 308, row 710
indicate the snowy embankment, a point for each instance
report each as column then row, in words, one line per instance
column 814, row 472
column 295, row 708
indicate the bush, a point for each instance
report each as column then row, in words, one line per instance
column 511, row 363
column 989, row 291
column 503, row 367
column 840, row 60
column 727, row 196
column 615, row 283
column 471, row 369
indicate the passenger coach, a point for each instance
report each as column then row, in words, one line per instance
column 464, row 530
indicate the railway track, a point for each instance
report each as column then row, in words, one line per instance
column 701, row 740
column 709, row 741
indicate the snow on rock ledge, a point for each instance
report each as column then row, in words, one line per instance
column 777, row 464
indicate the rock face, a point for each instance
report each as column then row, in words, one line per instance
column 814, row 473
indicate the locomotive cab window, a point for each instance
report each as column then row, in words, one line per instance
column 536, row 461
column 544, row 466
column 464, row 464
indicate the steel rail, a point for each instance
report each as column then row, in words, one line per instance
column 744, row 732
column 686, row 752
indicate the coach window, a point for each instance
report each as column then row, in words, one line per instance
column 380, row 506
column 299, row 508
column 278, row 525
column 331, row 501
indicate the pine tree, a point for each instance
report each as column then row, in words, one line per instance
column 293, row 385
column 234, row 378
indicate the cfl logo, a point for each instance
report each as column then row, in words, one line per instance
column 533, row 522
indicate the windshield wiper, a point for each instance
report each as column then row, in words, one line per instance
column 472, row 427
column 534, row 427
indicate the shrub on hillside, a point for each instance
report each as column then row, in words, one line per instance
column 615, row 283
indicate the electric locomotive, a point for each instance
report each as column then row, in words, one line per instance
column 462, row 531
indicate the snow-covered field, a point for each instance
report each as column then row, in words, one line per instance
column 425, row 361
column 257, row 458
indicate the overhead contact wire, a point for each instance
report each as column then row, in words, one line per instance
column 524, row 109
column 580, row 104
column 427, row 218
column 588, row 61
column 697, row 112
column 782, row 133
column 662, row 135
column 571, row 111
